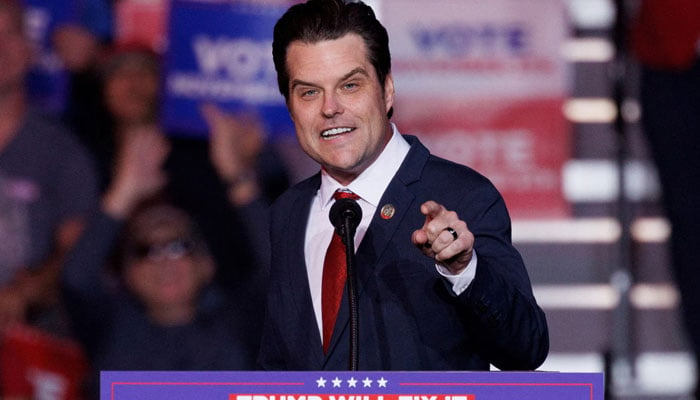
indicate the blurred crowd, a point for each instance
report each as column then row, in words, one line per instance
column 122, row 246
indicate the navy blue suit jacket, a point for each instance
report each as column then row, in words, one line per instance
column 409, row 319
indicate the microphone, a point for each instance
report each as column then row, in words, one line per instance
column 345, row 215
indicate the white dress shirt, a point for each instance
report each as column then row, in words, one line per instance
column 370, row 185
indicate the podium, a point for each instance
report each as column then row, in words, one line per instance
column 350, row 385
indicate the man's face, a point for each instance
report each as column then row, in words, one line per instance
column 338, row 104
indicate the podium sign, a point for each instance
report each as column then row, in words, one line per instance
column 358, row 385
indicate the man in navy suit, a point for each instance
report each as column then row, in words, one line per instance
column 440, row 287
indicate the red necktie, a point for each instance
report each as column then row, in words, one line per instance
column 334, row 275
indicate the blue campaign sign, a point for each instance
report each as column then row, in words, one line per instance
column 48, row 80
column 357, row 385
column 221, row 52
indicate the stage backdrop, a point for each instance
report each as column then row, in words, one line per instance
column 482, row 83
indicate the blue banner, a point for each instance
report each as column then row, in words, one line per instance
column 48, row 80
column 221, row 52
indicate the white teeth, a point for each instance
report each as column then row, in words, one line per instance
column 335, row 131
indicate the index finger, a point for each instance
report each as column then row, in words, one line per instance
column 431, row 209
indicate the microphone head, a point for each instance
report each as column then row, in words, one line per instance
column 342, row 210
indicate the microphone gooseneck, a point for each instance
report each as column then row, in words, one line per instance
column 345, row 215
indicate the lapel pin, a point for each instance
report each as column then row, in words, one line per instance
column 388, row 211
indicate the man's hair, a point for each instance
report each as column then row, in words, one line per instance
column 319, row 20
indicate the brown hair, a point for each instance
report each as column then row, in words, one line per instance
column 318, row 20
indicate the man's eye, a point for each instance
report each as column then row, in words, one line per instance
column 308, row 92
column 350, row 85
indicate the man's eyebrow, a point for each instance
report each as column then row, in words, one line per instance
column 298, row 82
column 358, row 70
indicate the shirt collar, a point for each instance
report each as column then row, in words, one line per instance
column 372, row 182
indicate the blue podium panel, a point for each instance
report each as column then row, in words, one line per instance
column 357, row 385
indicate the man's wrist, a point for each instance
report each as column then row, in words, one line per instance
column 460, row 282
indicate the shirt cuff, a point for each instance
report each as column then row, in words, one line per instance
column 461, row 281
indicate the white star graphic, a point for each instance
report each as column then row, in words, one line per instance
column 382, row 382
column 336, row 382
column 321, row 382
column 367, row 382
column 352, row 382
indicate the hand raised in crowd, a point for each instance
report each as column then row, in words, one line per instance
column 444, row 237
column 138, row 172
column 235, row 144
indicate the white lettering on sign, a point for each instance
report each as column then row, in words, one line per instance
column 237, row 59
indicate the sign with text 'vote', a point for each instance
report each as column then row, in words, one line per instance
column 357, row 385
column 482, row 83
column 221, row 52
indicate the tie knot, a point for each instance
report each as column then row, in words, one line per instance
column 345, row 194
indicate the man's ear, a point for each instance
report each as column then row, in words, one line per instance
column 389, row 91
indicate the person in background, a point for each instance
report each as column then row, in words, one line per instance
column 139, row 283
column 666, row 41
column 129, row 81
column 47, row 187
column 218, row 179
column 81, row 33
column 440, row 286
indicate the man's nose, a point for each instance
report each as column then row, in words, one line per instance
column 331, row 105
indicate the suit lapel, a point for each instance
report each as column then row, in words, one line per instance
column 382, row 230
column 298, row 276
column 398, row 194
